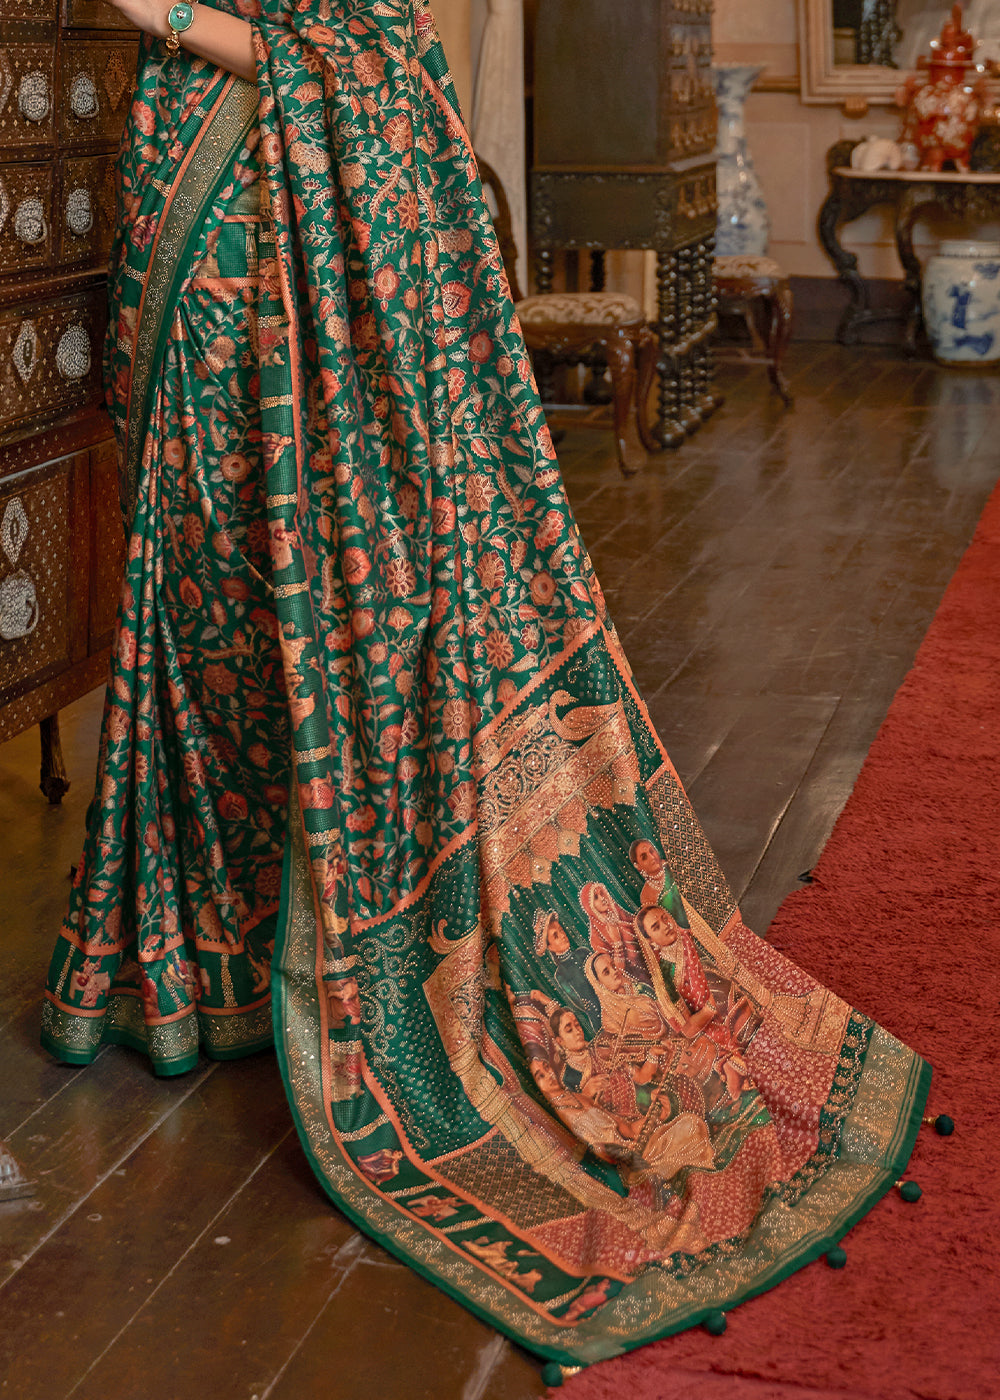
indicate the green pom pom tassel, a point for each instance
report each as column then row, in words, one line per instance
column 836, row 1257
column 552, row 1373
column 910, row 1191
column 943, row 1125
column 716, row 1323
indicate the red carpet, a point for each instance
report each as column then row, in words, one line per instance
column 904, row 921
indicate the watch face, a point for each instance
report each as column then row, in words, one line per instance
column 180, row 17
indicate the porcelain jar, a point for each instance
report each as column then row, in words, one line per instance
column 742, row 225
column 961, row 302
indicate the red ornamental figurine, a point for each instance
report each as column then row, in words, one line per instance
column 942, row 108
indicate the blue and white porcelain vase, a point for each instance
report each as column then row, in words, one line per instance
column 961, row 297
column 743, row 225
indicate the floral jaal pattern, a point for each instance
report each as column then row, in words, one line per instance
column 527, row 1041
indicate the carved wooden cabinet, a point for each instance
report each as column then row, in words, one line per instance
column 66, row 73
column 625, row 126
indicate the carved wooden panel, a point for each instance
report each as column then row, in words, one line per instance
column 25, row 216
column 95, row 79
column 27, row 94
column 35, row 584
column 50, row 357
column 85, row 216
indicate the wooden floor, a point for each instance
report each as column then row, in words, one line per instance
column 771, row 582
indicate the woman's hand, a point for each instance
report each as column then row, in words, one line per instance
column 222, row 39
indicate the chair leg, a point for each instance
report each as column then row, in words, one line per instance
column 648, row 348
column 621, row 363
column 779, row 334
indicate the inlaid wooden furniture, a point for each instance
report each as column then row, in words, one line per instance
column 624, row 130
column 66, row 73
column 973, row 195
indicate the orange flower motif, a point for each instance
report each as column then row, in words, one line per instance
column 542, row 588
column 233, row 806
column 480, row 348
column 408, row 499
column 398, row 131
column 550, row 531
column 456, row 383
column 220, row 679
column 408, row 211
column 400, row 578
column 385, row 282
column 456, row 298
column 369, row 68
column 455, row 719
column 361, row 820
column 442, row 515
column 357, row 566
column 463, row 801
column 499, row 651
column 490, row 570
column 235, row 467
column 389, row 741
column 479, row 492
column 364, row 332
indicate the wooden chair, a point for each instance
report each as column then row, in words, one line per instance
column 572, row 325
column 757, row 288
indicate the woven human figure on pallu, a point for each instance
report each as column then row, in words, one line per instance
column 373, row 762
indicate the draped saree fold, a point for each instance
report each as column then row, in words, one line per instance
column 362, row 656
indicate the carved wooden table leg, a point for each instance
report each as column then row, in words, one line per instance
column 912, row 204
column 53, row 782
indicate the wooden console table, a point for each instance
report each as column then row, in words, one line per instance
column 910, row 193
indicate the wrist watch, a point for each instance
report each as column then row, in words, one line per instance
column 179, row 18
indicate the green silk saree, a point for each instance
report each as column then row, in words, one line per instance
column 374, row 772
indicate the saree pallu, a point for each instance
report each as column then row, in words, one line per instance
column 526, row 1039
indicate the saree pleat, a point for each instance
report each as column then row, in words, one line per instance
column 527, row 1041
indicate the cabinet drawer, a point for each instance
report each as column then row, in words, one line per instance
column 94, row 14
column 39, row 542
column 95, row 81
column 25, row 217
column 27, row 87
column 41, row 12
column 85, row 216
column 50, row 358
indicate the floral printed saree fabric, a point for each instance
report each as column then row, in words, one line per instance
column 373, row 763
